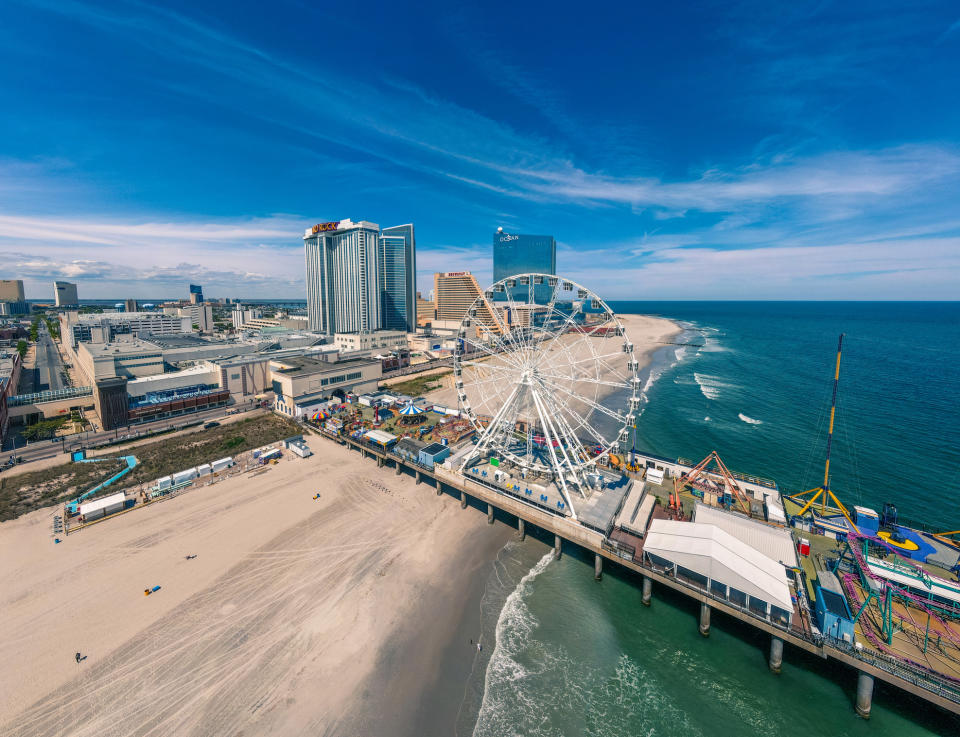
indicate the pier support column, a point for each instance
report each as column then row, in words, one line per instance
column 557, row 546
column 399, row 467
column 520, row 530
column 463, row 500
column 704, row 619
column 489, row 514
column 647, row 591
column 379, row 462
column 597, row 566
column 776, row 654
column 864, row 694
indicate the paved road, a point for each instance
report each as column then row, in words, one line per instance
column 48, row 449
column 49, row 366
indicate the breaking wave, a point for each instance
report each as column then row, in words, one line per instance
column 749, row 420
column 515, row 627
column 710, row 386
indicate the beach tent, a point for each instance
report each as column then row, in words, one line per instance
column 410, row 409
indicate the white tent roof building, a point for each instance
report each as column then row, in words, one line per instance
column 774, row 542
column 718, row 556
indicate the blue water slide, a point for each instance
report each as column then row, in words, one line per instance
column 132, row 463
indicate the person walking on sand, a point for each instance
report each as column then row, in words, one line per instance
column 479, row 648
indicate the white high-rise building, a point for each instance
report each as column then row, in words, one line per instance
column 358, row 277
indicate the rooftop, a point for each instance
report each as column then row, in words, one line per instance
column 774, row 542
column 303, row 366
column 183, row 340
column 119, row 348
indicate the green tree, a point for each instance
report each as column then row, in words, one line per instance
column 22, row 347
column 44, row 428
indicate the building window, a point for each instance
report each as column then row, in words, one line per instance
column 234, row 376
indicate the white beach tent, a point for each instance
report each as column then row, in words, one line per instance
column 717, row 555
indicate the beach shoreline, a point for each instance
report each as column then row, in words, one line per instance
column 348, row 614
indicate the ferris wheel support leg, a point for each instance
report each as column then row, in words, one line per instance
column 558, row 467
column 490, row 430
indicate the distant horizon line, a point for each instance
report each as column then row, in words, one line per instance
column 111, row 301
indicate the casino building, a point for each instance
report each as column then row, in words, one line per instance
column 360, row 278
column 514, row 253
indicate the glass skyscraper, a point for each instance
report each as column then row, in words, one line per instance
column 397, row 262
column 515, row 253
column 360, row 278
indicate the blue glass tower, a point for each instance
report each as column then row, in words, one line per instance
column 397, row 262
column 514, row 253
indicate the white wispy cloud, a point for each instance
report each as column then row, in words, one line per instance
column 429, row 135
column 781, row 218
column 133, row 233
column 903, row 269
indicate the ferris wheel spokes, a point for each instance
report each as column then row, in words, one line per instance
column 541, row 371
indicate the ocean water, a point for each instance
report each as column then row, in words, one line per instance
column 577, row 657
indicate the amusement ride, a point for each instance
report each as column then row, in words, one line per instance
column 545, row 373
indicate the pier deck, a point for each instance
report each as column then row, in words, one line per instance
column 869, row 662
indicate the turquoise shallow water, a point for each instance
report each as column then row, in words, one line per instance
column 576, row 657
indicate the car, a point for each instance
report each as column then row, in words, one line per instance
column 208, row 425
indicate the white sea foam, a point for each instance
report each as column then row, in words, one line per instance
column 749, row 420
column 712, row 345
column 657, row 372
column 706, row 419
column 514, row 628
column 710, row 386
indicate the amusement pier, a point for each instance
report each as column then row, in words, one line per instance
column 534, row 422
column 547, row 392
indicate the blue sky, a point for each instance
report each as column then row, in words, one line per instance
column 675, row 150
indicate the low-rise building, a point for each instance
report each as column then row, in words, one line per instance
column 161, row 404
column 103, row 328
column 9, row 377
column 248, row 375
column 372, row 341
column 433, row 454
column 129, row 359
column 9, row 309
column 206, row 374
column 298, row 383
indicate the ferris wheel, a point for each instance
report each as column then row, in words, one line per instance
column 546, row 374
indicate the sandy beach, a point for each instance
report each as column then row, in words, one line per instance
column 297, row 616
column 347, row 615
column 647, row 334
